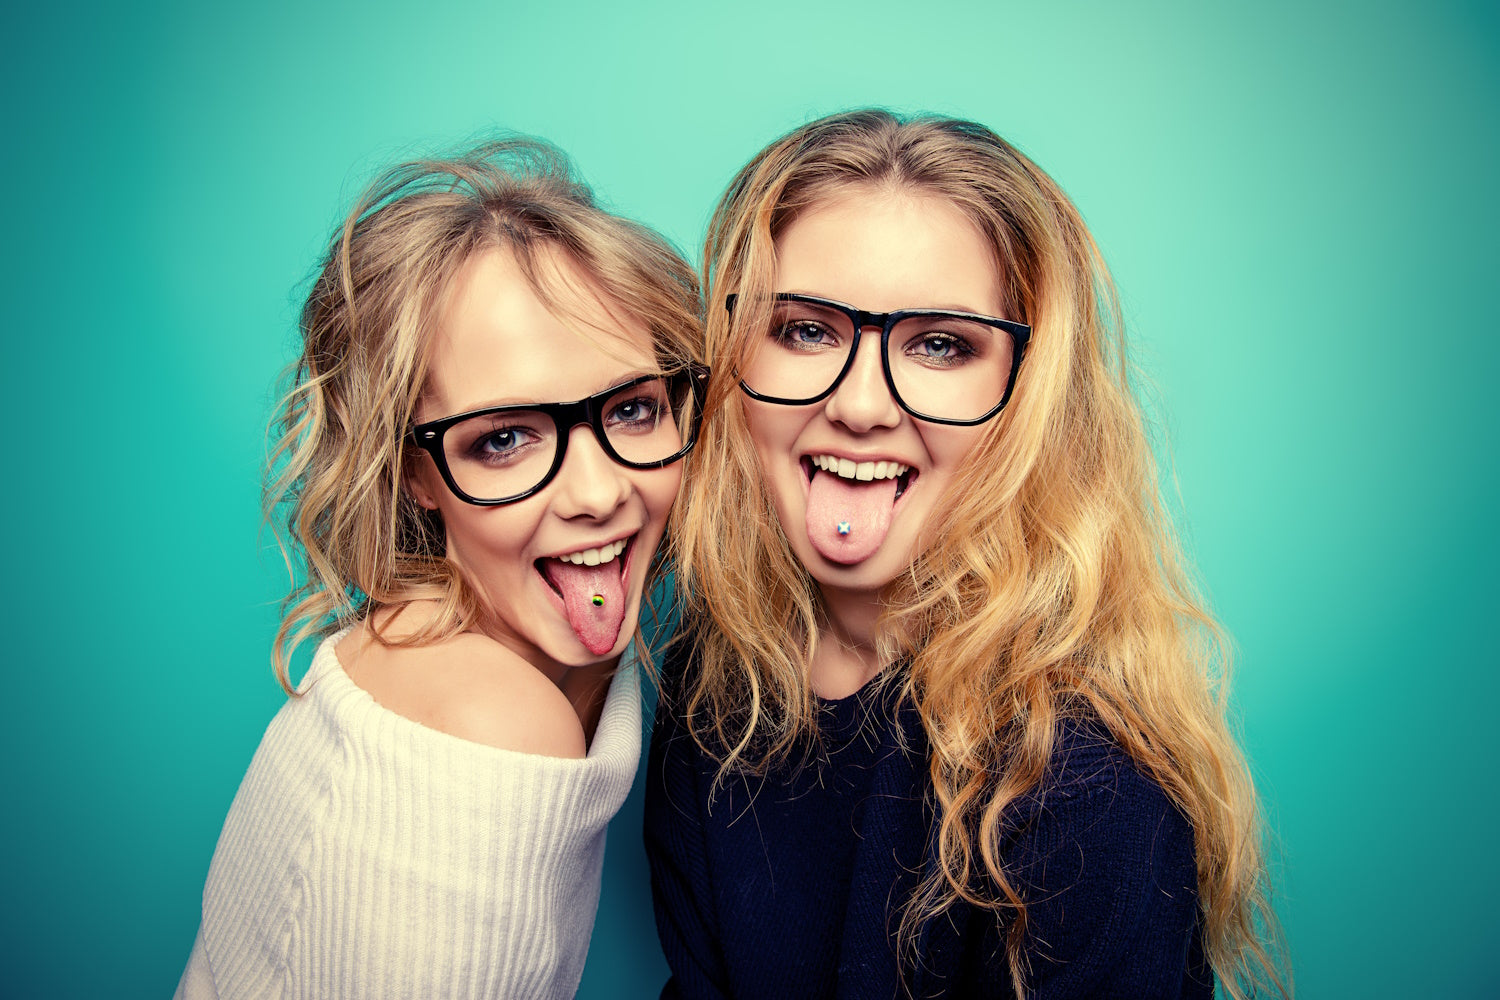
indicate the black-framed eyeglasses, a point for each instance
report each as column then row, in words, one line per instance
column 502, row 454
column 941, row 366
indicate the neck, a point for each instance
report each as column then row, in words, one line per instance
column 586, row 687
column 846, row 658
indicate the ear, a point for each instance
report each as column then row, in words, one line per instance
column 419, row 478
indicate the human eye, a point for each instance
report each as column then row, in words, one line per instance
column 940, row 348
column 804, row 335
column 502, row 444
column 639, row 410
column 943, row 342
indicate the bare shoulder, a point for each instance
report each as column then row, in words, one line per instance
column 468, row 686
column 497, row 698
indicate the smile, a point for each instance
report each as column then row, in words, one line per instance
column 589, row 588
column 593, row 557
column 861, row 472
column 847, row 468
column 850, row 506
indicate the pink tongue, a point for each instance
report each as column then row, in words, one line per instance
column 596, row 623
column 846, row 519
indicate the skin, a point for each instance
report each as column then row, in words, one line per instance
column 525, row 682
column 881, row 250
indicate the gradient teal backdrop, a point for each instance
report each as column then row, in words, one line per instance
column 1299, row 203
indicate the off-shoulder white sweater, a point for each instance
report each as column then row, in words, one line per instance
column 368, row 856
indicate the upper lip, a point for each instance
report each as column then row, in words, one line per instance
column 585, row 546
column 810, row 469
column 836, row 453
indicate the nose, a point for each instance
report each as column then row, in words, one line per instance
column 862, row 400
column 590, row 483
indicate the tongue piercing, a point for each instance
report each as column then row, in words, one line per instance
column 844, row 527
column 597, row 600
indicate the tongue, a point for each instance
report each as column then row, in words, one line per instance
column 595, row 622
column 847, row 519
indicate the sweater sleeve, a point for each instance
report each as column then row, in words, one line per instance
column 676, row 849
column 1108, row 869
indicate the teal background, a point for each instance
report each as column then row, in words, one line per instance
column 1299, row 203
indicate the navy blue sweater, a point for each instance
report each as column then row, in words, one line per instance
column 792, row 885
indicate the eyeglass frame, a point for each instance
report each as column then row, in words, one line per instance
column 1020, row 335
column 428, row 436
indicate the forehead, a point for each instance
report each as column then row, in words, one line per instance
column 499, row 341
column 882, row 249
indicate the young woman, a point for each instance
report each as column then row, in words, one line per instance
column 479, row 451
column 945, row 718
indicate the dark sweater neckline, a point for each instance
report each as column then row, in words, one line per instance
column 842, row 719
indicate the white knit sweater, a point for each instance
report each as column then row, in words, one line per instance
column 368, row 856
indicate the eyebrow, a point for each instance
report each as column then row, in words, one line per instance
column 535, row 401
column 922, row 308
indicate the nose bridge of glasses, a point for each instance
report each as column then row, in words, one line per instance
column 568, row 416
column 868, row 348
column 587, row 472
column 866, row 320
column 585, row 415
column 869, row 338
column 862, row 393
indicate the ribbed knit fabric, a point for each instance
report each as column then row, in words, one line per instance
column 368, row 856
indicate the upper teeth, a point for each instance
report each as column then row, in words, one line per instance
column 593, row 557
column 847, row 468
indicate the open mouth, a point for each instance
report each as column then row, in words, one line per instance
column 863, row 472
column 593, row 557
column 590, row 583
column 851, row 505
column 548, row 567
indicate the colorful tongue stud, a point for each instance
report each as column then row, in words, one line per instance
column 843, row 527
column 597, row 600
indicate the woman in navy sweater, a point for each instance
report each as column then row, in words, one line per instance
column 944, row 717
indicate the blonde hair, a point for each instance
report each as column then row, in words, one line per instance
column 1054, row 585
column 351, row 534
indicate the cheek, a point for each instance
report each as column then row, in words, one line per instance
column 772, row 430
column 488, row 541
column 660, row 491
column 950, row 448
column 656, row 490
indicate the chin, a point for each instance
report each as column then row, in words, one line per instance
column 870, row 575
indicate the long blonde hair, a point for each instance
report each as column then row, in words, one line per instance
column 1054, row 584
column 354, row 539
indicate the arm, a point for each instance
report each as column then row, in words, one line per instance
column 681, row 886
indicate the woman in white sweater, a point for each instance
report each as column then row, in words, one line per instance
column 474, row 468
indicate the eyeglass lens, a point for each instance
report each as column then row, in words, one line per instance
column 942, row 366
column 497, row 455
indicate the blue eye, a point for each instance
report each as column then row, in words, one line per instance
column 940, row 349
column 501, row 443
column 637, row 411
column 803, row 334
column 642, row 410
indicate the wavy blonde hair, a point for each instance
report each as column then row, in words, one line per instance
column 354, row 539
column 1053, row 584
